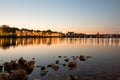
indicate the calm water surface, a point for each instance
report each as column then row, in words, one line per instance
column 104, row 64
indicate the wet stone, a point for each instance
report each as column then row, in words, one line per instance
column 72, row 64
column 18, row 75
column 18, row 70
column 64, row 64
column 57, row 62
column 43, row 68
column 71, row 77
column 56, row 67
column 83, row 58
column 66, row 60
column 59, row 56
column 50, row 65
column 44, row 72
column 1, row 68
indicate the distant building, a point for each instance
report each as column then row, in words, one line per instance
column 0, row 31
column 98, row 35
column 18, row 32
column 70, row 34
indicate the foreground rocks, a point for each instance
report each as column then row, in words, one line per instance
column 72, row 64
column 17, row 70
column 84, row 58
column 65, row 61
column 1, row 68
column 71, row 77
column 18, row 75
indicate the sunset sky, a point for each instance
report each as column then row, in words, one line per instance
column 88, row 16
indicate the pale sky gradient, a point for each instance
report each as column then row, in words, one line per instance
column 62, row 15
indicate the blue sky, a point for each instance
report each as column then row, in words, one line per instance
column 88, row 16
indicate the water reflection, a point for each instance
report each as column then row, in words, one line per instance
column 61, row 51
column 5, row 43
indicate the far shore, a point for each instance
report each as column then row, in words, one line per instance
column 14, row 36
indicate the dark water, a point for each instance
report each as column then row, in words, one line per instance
column 104, row 64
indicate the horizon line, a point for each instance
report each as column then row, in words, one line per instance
column 62, row 31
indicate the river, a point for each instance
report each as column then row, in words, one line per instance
column 104, row 64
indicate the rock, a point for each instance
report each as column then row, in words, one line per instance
column 89, row 56
column 28, row 67
column 20, row 70
column 11, row 66
column 44, row 72
column 72, row 64
column 67, row 59
column 71, row 77
column 3, row 77
column 74, row 58
column 77, row 77
column 59, row 56
column 83, row 58
column 18, row 75
column 7, row 66
column 22, row 61
column 1, row 68
column 50, row 65
column 14, row 65
column 77, row 56
column 43, row 68
column 22, row 64
column 57, row 62
column 55, row 67
column 64, row 64
column 33, row 59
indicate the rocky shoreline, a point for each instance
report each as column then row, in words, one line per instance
column 21, row 68
column 16, row 70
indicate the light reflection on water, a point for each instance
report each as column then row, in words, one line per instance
column 8, row 42
column 105, row 53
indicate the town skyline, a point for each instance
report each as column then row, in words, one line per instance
column 14, row 32
column 85, row 16
column 22, row 28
